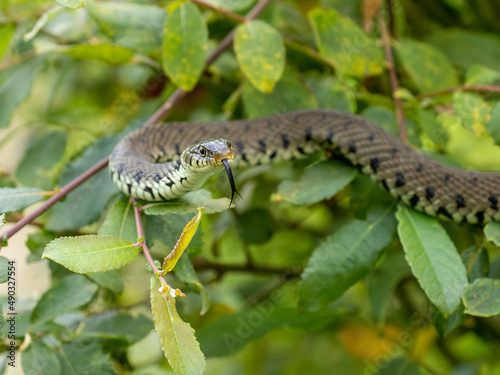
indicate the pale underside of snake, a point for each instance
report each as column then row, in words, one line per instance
column 151, row 163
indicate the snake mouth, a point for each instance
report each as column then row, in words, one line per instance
column 225, row 162
column 225, row 158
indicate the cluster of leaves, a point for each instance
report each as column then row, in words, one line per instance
column 389, row 289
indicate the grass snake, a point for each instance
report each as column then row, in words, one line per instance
column 165, row 161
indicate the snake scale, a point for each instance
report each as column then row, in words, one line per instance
column 151, row 164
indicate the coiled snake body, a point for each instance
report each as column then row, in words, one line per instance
column 151, row 163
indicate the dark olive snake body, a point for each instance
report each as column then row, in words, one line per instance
column 146, row 164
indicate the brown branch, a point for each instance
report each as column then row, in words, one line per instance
column 158, row 115
column 145, row 249
column 390, row 15
column 140, row 235
column 220, row 10
column 451, row 90
column 386, row 40
column 54, row 199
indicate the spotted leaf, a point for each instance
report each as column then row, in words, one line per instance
column 185, row 40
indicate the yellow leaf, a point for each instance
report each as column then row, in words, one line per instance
column 424, row 341
column 368, row 343
column 183, row 242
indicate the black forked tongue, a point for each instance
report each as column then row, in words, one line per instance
column 231, row 180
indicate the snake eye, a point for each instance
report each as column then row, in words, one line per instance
column 202, row 151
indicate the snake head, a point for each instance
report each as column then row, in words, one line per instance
column 207, row 156
column 210, row 157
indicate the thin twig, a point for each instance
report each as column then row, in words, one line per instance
column 140, row 235
column 451, row 90
column 390, row 16
column 158, row 115
column 145, row 249
column 54, row 199
column 220, row 10
column 386, row 40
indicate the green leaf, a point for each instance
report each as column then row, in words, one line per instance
column 77, row 357
column 185, row 272
column 492, row 232
column 177, row 337
column 185, row 41
column 431, row 126
column 473, row 111
column 91, row 253
column 481, row 75
column 344, row 258
column 467, row 48
column 318, row 182
column 110, row 280
column 482, row 297
column 255, row 225
column 382, row 281
column 493, row 124
column 230, row 333
column 36, row 244
column 137, row 26
column 114, row 55
column 117, row 325
column 446, row 325
column 6, row 33
column 477, row 263
column 233, row 5
column 120, row 221
column 260, row 53
column 2, row 220
column 289, row 94
column 345, row 44
column 72, row 4
column 15, row 199
column 291, row 22
column 36, row 168
column 399, row 366
column 330, row 93
column 433, row 259
column 431, row 71
column 363, row 194
column 4, row 274
column 15, row 86
column 39, row 359
column 70, row 293
column 381, row 116
column 189, row 203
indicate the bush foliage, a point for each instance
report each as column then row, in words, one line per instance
column 316, row 268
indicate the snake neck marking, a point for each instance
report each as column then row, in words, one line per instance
column 147, row 164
